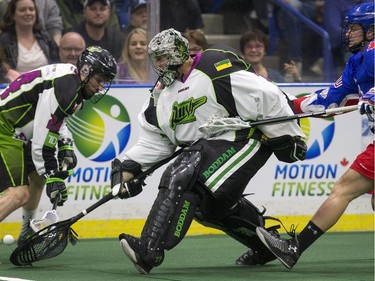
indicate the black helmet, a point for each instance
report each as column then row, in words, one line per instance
column 96, row 60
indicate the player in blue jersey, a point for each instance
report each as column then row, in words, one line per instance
column 356, row 83
column 33, row 109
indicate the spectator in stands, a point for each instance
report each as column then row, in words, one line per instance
column 132, row 67
column 49, row 17
column 26, row 46
column 180, row 15
column 95, row 28
column 7, row 74
column 292, row 31
column 71, row 47
column 253, row 45
column 138, row 16
column 71, row 13
column 242, row 15
column 197, row 41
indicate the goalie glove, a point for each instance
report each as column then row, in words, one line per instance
column 66, row 153
column 55, row 186
column 123, row 183
column 287, row 148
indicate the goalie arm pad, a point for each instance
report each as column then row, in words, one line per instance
column 122, row 183
column 287, row 148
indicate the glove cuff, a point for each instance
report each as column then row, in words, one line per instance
column 55, row 175
column 131, row 167
column 65, row 144
column 54, row 179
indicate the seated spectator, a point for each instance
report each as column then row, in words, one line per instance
column 7, row 74
column 253, row 45
column 71, row 47
column 132, row 67
column 95, row 28
column 180, row 15
column 138, row 16
column 25, row 45
column 50, row 18
column 71, row 13
column 197, row 41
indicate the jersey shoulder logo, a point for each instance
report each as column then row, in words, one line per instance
column 184, row 112
column 224, row 64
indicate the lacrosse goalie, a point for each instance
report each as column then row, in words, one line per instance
column 194, row 105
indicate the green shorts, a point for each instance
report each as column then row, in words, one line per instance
column 14, row 157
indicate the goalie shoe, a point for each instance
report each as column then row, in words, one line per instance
column 252, row 257
column 136, row 251
column 286, row 250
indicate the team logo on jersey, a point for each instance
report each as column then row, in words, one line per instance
column 101, row 131
column 223, row 64
column 371, row 46
column 183, row 113
column 338, row 83
column 319, row 135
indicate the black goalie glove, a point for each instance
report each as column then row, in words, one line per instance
column 66, row 153
column 123, row 183
column 287, row 148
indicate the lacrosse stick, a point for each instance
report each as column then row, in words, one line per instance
column 217, row 125
column 50, row 217
column 52, row 240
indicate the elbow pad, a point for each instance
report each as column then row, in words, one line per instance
column 287, row 148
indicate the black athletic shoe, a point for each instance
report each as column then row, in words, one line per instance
column 252, row 257
column 286, row 250
column 136, row 251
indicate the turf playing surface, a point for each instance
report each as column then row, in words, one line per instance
column 337, row 256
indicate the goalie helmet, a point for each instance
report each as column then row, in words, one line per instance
column 168, row 50
column 362, row 14
column 96, row 60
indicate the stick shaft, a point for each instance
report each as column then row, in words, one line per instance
column 109, row 196
column 304, row 115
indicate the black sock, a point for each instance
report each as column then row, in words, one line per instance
column 309, row 235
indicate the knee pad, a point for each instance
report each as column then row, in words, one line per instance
column 173, row 210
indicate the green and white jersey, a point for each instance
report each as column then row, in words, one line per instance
column 218, row 84
column 34, row 107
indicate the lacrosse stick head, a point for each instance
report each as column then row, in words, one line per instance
column 44, row 244
column 49, row 218
column 218, row 125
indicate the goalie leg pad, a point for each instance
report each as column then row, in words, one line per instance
column 240, row 223
column 173, row 210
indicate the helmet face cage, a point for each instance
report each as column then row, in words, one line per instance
column 168, row 50
column 362, row 14
column 96, row 61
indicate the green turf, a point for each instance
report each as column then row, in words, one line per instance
column 336, row 256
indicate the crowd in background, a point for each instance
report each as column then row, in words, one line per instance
column 38, row 32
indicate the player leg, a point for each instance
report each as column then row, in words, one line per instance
column 221, row 184
column 13, row 180
column 240, row 222
column 356, row 181
column 36, row 186
column 170, row 216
